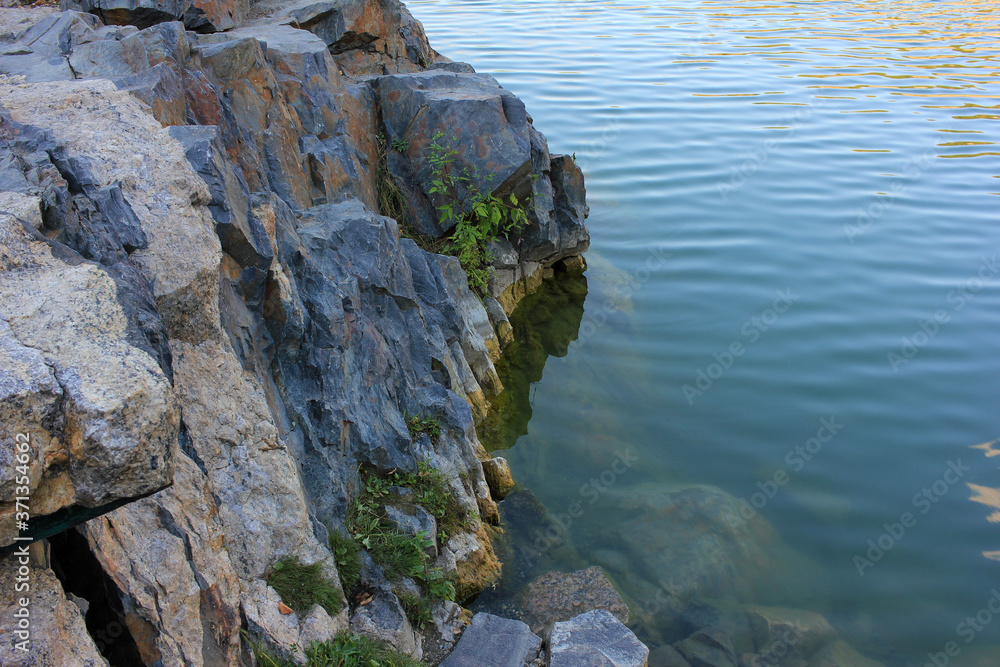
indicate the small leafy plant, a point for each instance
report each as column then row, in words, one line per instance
column 420, row 425
column 400, row 144
column 301, row 586
column 417, row 608
column 488, row 216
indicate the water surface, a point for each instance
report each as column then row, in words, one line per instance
column 835, row 161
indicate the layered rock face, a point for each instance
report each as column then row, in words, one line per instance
column 206, row 323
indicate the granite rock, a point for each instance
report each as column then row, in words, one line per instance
column 595, row 638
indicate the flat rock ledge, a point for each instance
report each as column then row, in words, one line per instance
column 492, row 641
column 595, row 638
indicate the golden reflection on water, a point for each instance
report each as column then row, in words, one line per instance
column 914, row 49
column 987, row 495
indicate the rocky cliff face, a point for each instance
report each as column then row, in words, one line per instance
column 207, row 326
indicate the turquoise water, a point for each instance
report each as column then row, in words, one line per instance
column 835, row 161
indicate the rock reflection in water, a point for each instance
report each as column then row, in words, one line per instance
column 544, row 323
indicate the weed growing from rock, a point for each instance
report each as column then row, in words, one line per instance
column 344, row 650
column 391, row 202
column 399, row 554
column 431, row 426
column 489, row 217
column 347, row 555
column 301, row 586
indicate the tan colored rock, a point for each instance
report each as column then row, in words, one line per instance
column 167, row 554
column 471, row 558
column 192, row 558
column 15, row 20
column 497, row 473
column 123, row 143
column 97, row 413
column 58, row 634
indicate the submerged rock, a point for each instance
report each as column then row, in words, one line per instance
column 708, row 648
column 807, row 631
column 840, row 654
column 595, row 638
column 556, row 596
column 694, row 542
column 726, row 617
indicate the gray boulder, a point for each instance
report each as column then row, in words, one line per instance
column 465, row 109
column 492, row 641
column 595, row 638
column 384, row 619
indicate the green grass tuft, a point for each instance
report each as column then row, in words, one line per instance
column 417, row 608
column 347, row 554
column 301, row 586
column 349, row 650
column 344, row 650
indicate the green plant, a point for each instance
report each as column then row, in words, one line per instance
column 429, row 425
column 301, row 586
column 390, row 200
column 487, row 218
column 399, row 554
column 344, row 650
column 347, row 555
column 263, row 655
column 438, row 585
column 417, row 608
column 350, row 650
column 400, row 144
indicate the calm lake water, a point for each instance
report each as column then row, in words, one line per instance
column 816, row 186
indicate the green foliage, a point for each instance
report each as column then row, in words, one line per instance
column 301, row 586
column 400, row 144
column 344, row 650
column 350, row 650
column 405, row 555
column 429, row 425
column 400, row 555
column 488, row 217
column 417, row 608
column 264, row 656
column 347, row 554
column 390, row 200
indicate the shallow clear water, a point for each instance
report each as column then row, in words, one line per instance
column 844, row 154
